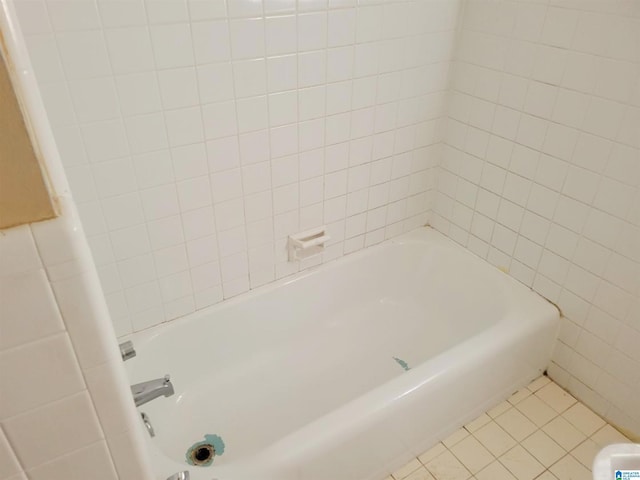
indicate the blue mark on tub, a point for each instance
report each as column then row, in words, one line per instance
column 201, row 454
column 402, row 363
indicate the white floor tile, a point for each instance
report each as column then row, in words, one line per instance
column 472, row 454
column 405, row 470
column 568, row 468
column 477, row 423
column 538, row 383
column 608, row 435
column 586, row 452
column 432, row 453
column 556, row 397
column 536, row 410
column 421, row 474
column 447, row 467
column 519, row 396
column 521, row 463
column 495, row 439
column 455, row 437
column 541, row 446
column 516, row 424
column 495, row 471
column 499, row 409
column 565, row 434
column 583, row 419
column 548, row 476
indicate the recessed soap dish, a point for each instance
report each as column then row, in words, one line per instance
column 306, row 244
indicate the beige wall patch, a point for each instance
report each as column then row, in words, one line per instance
column 24, row 196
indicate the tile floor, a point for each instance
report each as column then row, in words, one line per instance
column 541, row 433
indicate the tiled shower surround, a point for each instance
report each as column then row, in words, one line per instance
column 65, row 409
column 541, row 172
column 197, row 135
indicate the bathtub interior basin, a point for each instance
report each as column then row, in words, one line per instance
column 293, row 375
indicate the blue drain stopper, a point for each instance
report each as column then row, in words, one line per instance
column 201, row 454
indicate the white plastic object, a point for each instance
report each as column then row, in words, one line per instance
column 307, row 243
column 618, row 461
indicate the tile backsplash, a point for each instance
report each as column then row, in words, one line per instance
column 540, row 175
column 197, row 135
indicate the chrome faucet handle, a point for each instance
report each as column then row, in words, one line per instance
column 127, row 351
column 147, row 424
column 179, row 476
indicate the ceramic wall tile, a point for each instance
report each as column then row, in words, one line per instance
column 543, row 199
column 190, row 118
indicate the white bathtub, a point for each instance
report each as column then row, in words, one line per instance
column 299, row 378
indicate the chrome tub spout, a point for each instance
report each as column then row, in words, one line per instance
column 146, row 391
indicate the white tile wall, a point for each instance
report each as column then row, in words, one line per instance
column 65, row 405
column 541, row 175
column 38, row 369
column 197, row 135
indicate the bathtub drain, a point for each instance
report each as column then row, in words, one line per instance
column 201, row 454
